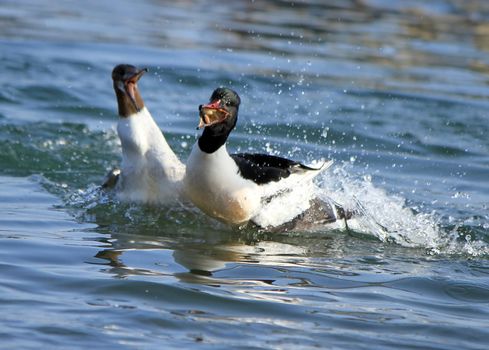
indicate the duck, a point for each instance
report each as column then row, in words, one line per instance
column 265, row 190
column 150, row 172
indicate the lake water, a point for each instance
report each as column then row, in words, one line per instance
column 396, row 92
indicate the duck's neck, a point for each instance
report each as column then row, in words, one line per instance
column 142, row 141
column 126, row 107
column 215, row 136
column 210, row 142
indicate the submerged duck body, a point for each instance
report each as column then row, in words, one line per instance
column 239, row 188
column 150, row 171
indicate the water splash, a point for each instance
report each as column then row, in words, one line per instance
column 89, row 198
column 388, row 218
column 383, row 215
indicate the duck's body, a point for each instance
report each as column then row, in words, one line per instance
column 211, row 186
column 263, row 189
column 150, row 171
column 239, row 188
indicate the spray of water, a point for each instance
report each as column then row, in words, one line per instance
column 378, row 213
column 388, row 218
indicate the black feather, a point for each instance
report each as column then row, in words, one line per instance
column 264, row 168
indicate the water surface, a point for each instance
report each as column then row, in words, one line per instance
column 396, row 92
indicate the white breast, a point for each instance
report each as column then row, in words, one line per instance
column 151, row 172
column 212, row 182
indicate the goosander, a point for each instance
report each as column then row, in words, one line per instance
column 150, row 171
column 266, row 190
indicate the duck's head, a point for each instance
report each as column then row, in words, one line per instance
column 125, row 78
column 221, row 113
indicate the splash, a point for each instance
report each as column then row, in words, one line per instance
column 383, row 215
column 89, row 198
column 389, row 219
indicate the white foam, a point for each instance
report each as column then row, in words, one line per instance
column 382, row 215
column 287, row 206
column 88, row 198
column 387, row 217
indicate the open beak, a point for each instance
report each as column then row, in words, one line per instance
column 211, row 114
column 129, row 85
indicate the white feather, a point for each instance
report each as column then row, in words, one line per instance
column 151, row 172
column 282, row 201
column 294, row 180
column 213, row 183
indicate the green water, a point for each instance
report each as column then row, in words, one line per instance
column 394, row 91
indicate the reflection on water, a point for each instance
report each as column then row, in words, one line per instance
column 203, row 259
column 215, row 255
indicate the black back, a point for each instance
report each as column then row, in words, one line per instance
column 264, row 168
column 259, row 168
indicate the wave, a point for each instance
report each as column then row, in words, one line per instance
column 388, row 218
column 383, row 216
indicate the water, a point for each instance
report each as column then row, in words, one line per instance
column 394, row 91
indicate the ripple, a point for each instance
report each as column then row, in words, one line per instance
column 468, row 292
column 395, row 92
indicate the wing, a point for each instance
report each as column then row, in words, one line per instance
column 264, row 168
